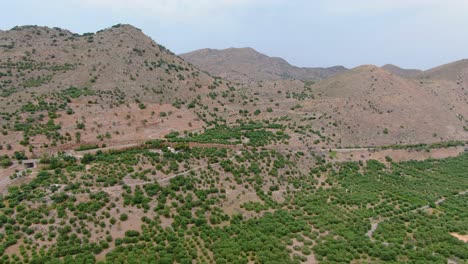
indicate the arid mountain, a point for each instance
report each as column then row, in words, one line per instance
column 400, row 71
column 124, row 88
column 120, row 59
column 455, row 71
column 115, row 150
column 371, row 105
column 116, row 82
column 247, row 64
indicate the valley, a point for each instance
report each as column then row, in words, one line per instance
column 224, row 156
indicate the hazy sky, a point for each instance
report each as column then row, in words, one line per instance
column 409, row 33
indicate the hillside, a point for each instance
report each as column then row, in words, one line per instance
column 115, row 150
column 143, row 91
column 247, row 64
column 53, row 81
column 118, row 83
column 400, row 71
column 120, row 59
column 455, row 71
column 371, row 105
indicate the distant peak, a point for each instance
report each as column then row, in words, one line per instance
column 366, row 67
column 393, row 66
column 234, row 49
column 389, row 65
column 122, row 28
column 245, row 49
column 125, row 26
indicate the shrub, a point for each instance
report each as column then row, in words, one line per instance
column 123, row 217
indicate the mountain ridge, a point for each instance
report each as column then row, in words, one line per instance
column 120, row 67
column 247, row 64
column 401, row 71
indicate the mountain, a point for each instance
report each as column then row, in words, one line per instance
column 125, row 88
column 120, row 59
column 118, row 83
column 115, row 150
column 455, row 71
column 368, row 100
column 400, row 71
column 247, row 64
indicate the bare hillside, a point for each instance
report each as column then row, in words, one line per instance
column 372, row 106
column 455, row 71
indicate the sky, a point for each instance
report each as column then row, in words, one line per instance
column 316, row 33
